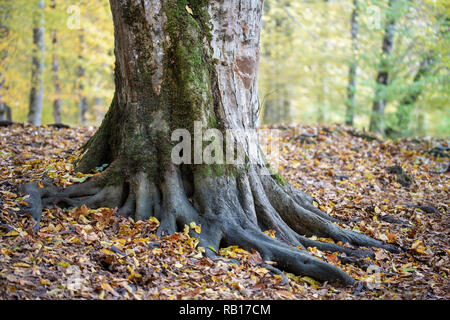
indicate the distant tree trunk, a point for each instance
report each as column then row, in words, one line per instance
column 179, row 69
column 278, row 107
column 382, row 80
column 406, row 105
column 286, row 106
column 98, row 108
column 5, row 111
column 420, row 124
column 324, row 75
column 82, row 102
column 37, row 67
column 55, row 70
column 270, row 113
column 351, row 88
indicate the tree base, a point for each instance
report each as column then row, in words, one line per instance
column 232, row 209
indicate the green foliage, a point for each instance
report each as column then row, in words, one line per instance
column 310, row 52
column 306, row 52
column 68, row 19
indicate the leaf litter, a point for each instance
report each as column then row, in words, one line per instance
column 82, row 253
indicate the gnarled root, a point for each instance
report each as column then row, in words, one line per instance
column 232, row 209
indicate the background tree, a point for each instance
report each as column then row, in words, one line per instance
column 37, row 66
column 177, row 63
column 55, row 69
column 5, row 111
column 82, row 102
column 351, row 89
column 379, row 102
column 277, row 101
column 290, row 75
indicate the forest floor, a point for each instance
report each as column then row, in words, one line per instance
column 92, row 254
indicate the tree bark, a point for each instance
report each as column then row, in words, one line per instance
column 382, row 80
column 351, row 88
column 324, row 75
column 180, row 65
column 55, row 70
column 5, row 111
column 82, row 102
column 37, row 67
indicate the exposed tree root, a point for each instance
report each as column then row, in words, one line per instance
column 232, row 209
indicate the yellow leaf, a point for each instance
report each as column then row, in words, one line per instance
column 310, row 281
column 12, row 233
column 195, row 227
column 377, row 210
column 154, row 220
column 84, row 220
column 63, row 264
column 106, row 251
column 45, row 282
column 416, row 244
column 6, row 252
column 21, row 265
column 419, row 247
column 73, row 240
column 189, row 10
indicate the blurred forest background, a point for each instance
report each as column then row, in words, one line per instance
column 382, row 65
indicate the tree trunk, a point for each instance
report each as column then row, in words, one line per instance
column 406, row 105
column 187, row 66
column 98, row 108
column 37, row 67
column 5, row 111
column 324, row 75
column 271, row 113
column 379, row 102
column 82, row 102
column 55, row 70
column 278, row 108
column 351, row 88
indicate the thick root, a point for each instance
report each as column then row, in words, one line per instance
column 232, row 209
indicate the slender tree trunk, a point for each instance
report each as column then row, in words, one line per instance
column 406, row 105
column 420, row 124
column 323, row 68
column 5, row 111
column 277, row 108
column 351, row 88
column 187, row 70
column 55, row 70
column 37, row 67
column 98, row 108
column 286, row 106
column 382, row 80
column 270, row 115
column 82, row 102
